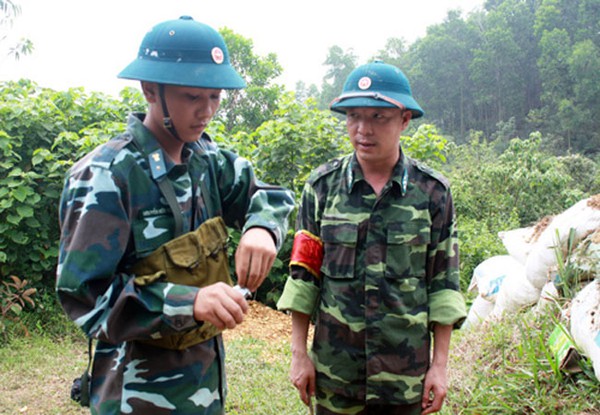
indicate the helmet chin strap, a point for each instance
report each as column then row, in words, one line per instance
column 166, row 116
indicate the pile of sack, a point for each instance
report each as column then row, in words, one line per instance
column 528, row 274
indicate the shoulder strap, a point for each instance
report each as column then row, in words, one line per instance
column 85, row 379
column 158, row 168
column 159, row 174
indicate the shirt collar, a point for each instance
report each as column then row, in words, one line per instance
column 399, row 178
column 143, row 136
column 159, row 163
column 149, row 144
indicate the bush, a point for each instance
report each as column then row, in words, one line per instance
column 36, row 154
column 14, row 296
column 477, row 242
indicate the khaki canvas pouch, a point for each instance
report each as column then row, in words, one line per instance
column 198, row 258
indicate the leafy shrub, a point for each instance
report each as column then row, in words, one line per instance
column 14, row 296
column 522, row 179
column 43, row 133
column 425, row 144
column 478, row 242
column 288, row 147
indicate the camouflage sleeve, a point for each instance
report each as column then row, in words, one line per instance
column 105, row 303
column 247, row 202
column 301, row 289
column 446, row 302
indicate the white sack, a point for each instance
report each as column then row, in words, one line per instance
column 489, row 275
column 583, row 217
column 585, row 323
column 518, row 242
column 478, row 312
column 516, row 292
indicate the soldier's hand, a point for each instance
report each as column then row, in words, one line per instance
column 302, row 376
column 434, row 389
column 254, row 257
column 220, row 305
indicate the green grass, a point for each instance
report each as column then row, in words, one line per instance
column 508, row 368
column 258, row 379
column 496, row 368
column 36, row 374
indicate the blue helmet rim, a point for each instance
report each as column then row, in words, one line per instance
column 191, row 74
column 376, row 100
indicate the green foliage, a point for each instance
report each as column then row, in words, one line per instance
column 14, row 296
column 478, row 241
column 425, row 144
column 523, row 178
column 568, row 281
column 536, row 63
column 438, row 67
column 36, row 154
column 517, row 188
column 26, row 233
column 248, row 108
column 297, row 138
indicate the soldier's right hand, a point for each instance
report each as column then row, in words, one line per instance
column 220, row 305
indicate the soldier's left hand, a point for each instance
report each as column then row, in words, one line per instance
column 434, row 389
column 254, row 257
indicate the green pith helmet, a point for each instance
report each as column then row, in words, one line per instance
column 184, row 52
column 377, row 84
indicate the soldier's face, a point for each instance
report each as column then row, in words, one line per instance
column 191, row 109
column 375, row 133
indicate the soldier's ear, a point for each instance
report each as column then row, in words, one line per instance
column 150, row 91
column 406, row 117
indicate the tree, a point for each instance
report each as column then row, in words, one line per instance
column 394, row 53
column 9, row 10
column 296, row 139
column 250, row 107
column 584, row 70
column 340, row 65
column 304, row 92
column 438, row 68
column 500, row 64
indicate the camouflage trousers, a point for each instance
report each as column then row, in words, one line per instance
column 330, row 404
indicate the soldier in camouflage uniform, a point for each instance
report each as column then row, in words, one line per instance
column 375, row 261
column 114, row 214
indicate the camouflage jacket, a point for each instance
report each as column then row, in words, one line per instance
column 390, row 270
column 112, row 213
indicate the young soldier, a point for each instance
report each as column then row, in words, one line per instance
column 375, row 259
column 143, row 265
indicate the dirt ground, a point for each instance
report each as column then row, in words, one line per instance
column 263, row 323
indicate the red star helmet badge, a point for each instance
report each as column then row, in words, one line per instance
column 217, row 55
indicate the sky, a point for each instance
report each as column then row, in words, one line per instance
column 82, row 43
